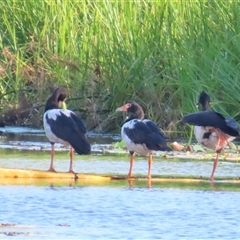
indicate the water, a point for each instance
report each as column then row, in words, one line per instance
column 107, row 212
column 116, row 165
column 117, row 209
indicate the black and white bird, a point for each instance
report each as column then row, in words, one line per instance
column 211, row 128
column 141, row 135
column 64, row 126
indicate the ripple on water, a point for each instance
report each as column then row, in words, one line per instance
column 121, row 212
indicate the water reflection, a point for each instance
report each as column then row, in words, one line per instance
column 131, row 183
column 124, row 183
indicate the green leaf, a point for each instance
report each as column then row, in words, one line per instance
column 119, row 144
column 198, row 148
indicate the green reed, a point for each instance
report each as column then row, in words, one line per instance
column 160, row 53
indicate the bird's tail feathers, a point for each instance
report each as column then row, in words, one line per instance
column 165, row 148
column 81, row 146
column 168, row 149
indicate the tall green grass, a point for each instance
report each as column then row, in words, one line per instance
column 160, row 53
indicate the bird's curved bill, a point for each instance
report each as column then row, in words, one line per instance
column 119, row 109
column 123, row 108
column 64, row 106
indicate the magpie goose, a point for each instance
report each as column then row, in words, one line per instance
column 64, row 126
column 211, row 128
column 141, row 135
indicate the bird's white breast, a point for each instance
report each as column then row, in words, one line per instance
column 141, row 149
column 210, row 142
column 54, row 114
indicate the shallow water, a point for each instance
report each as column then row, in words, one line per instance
column 116, row 165
column 116, row 209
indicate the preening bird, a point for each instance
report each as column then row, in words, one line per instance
column 211, row 128
column 64, row 126
column 141, row 135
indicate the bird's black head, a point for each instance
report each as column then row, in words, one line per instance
column 204, row 101
column 133, row 109
column 58, row 96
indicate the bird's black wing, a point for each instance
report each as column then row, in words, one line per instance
column 70, row 128
column 79, row 123
column 153, row 127
column 232, row 124
column 204, row 118
column 211, row 119
column 147, row 132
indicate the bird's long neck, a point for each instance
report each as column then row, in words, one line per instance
column 137, row 114
column 59, row 95
column 51, row 103
column 206, row 106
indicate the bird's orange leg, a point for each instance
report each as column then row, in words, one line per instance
column 131, row 164
column 214, row 168
column 71, row 160
column 222, row 139
column 149, row 166
column 51, row 169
